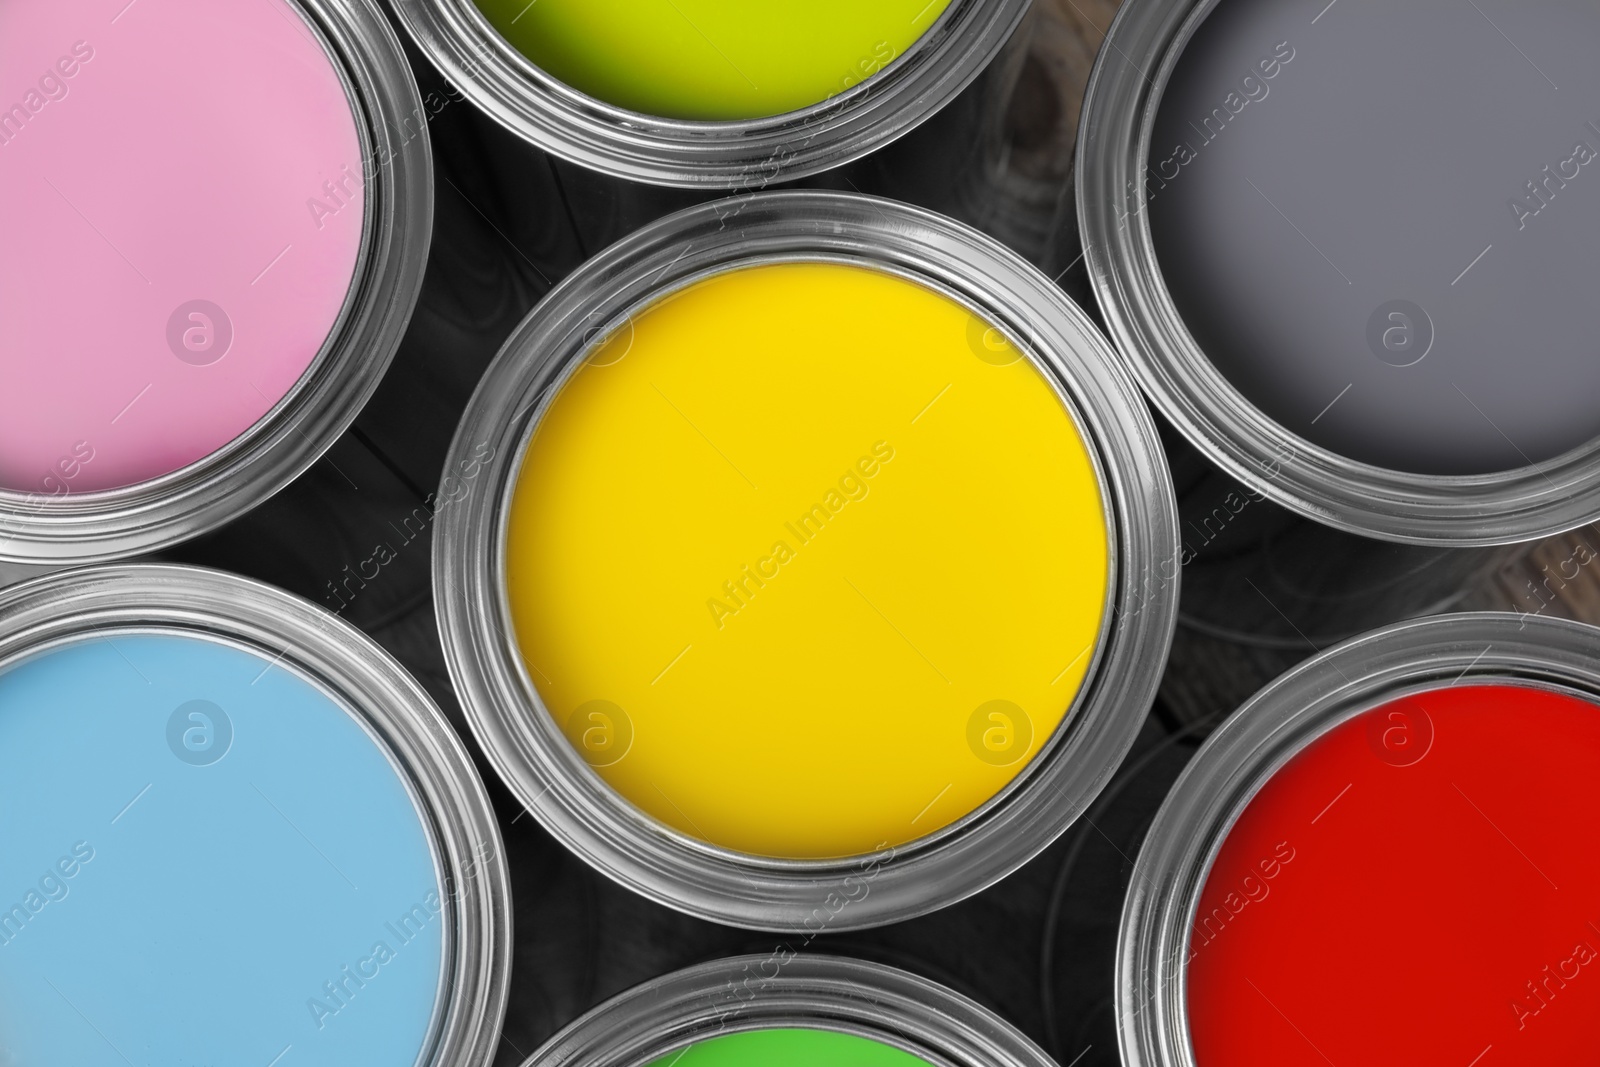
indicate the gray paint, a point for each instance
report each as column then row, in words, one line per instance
column 1362, row 180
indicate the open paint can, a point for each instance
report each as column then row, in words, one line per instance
column 790, row 1011
column 1388, row 847
column 228, row 210
column 212, row 786
column 1347, row 250
column 710, row 93
column 810, row 564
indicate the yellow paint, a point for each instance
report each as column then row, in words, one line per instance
column 838, row 700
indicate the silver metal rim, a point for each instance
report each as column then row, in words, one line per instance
column 1119, row 112
column 520, row 737
column 746, row 993
column 397, row 228
column 438, row 772
column 1263, row 735
column 745, row 154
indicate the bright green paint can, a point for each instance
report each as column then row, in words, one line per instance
column 789, row 1048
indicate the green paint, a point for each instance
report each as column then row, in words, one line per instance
column 789, row 1048
column 712, row 59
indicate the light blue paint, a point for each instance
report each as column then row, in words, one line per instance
column 212, row 909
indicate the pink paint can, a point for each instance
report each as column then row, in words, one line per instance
column 219, row 218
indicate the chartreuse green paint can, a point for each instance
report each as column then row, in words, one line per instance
column 713, row 94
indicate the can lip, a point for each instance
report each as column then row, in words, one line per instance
column 1266, row 732
column 371, row 684
column 520, row 737
column 739, row 154
column 745, row 993
column 396, row 232
column 1119, row 113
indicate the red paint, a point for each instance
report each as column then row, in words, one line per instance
column 1402, row 920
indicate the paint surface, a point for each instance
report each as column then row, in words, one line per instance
column 790, row 1048
column 165, row 278
column 807, row 560
column 1379, row 222
column 180, row 880
column 712, row 59
column 1420, row 881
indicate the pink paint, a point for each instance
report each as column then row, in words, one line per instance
column 153, row 155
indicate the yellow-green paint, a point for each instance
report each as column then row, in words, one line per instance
column 712, row 59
